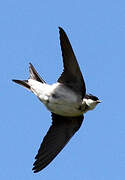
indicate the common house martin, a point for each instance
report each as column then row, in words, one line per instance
column 66, row 100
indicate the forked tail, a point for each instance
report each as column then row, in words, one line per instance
column 33, row 75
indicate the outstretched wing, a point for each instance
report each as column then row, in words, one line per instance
column 71, row 76
column 60, row 132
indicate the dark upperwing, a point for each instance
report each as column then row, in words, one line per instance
column 60, row 132
column 71, row 76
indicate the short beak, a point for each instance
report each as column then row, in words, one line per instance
column 98, row 101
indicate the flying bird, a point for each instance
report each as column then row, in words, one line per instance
column 66, row 100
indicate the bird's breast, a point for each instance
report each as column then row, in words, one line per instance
column 58, row 98
column 64, row 101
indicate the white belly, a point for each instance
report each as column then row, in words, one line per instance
column 57, row 98
column 64, row 108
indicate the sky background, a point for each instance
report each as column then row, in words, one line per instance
column 29, row 33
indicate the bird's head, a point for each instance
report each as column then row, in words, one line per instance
column 91, row 101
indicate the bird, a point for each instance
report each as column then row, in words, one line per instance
column 66, row 99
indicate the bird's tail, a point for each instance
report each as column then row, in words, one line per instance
column 33, row 75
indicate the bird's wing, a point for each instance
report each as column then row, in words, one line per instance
column 60, row 132
column 71, row 75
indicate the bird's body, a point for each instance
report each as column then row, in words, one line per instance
column 58, row 98
column 66, row 100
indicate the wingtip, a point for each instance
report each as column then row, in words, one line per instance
column 34, row 170
column 60, row 29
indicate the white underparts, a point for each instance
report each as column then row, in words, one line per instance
column 58, row 98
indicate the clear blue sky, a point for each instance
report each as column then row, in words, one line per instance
column 29, row 33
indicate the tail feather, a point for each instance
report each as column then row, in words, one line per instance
column 34, row 75
column 23, row 83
